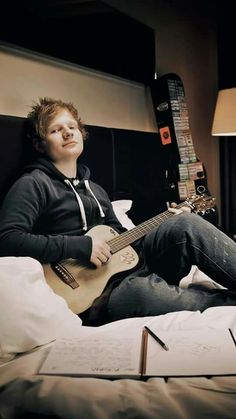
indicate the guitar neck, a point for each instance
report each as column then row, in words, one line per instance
column 130, row 236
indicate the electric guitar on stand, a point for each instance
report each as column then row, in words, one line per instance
column 80, row 285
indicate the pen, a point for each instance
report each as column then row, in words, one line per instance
column 232, row 336
column 157, row 339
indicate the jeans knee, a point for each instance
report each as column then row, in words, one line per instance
column 184, row 222
column 178, row 228
column 132, row 298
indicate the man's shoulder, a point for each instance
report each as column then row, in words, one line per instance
column 35, row 175
column 34, row 180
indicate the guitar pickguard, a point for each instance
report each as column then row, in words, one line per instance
column 127, row 257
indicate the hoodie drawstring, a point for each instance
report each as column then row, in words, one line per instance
column 86, row 182
column 80, row 202
column 81, row 205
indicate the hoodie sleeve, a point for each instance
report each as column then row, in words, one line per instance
column 19, row 213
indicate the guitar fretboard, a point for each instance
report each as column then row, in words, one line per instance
column 130, row 236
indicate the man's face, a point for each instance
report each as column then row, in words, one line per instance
column 63, row 138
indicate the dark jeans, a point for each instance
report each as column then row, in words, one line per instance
column 170, row 251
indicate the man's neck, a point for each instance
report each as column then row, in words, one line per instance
column 69, row 169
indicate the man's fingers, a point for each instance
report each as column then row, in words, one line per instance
column 175, row 210
column 100, row 253
column 98, row 261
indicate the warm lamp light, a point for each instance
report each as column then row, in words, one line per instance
column 224, row 122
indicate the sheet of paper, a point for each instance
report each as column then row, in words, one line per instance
column 197, row 352
column 97, row 355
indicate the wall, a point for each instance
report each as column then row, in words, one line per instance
column 227, row 79
column 186, row 44
column 102, row 99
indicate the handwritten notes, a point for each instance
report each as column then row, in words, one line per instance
column 104, row 353
column 97, row 356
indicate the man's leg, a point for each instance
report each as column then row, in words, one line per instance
column 152, row 296
column 185, row 240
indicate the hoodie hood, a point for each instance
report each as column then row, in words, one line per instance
column 83, row 172
column 80, row 182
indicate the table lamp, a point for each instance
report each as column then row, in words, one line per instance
column 224, row 122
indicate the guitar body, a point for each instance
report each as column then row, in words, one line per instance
column 90, row 283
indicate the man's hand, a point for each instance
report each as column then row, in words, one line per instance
column 101, row 252
column 175, row 210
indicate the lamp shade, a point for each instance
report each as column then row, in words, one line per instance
column 224, row 122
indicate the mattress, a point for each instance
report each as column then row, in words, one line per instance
column 23, row 391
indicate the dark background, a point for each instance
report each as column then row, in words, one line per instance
column 87, row 33
column 227, row 79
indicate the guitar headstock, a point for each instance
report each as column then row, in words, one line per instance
column 200, row 204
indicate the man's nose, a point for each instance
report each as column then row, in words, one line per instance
column 67, row 132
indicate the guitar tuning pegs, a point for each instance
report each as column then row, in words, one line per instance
column 201, row 189
column 202, row 212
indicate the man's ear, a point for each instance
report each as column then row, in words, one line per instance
column 39, row 145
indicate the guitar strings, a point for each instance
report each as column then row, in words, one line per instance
column 128, row 237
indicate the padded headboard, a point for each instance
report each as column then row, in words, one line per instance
column 128, row 164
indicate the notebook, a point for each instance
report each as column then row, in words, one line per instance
column 105, row 353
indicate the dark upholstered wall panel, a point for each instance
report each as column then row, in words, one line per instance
column 128, row 164
column 13, row 152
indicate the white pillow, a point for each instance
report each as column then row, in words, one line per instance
column 31, row 314
column 120, row 208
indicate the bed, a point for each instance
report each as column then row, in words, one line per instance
column 32, row 316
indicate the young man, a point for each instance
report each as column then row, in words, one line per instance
column 47, row 212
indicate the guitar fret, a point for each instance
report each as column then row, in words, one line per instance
column 128, row 237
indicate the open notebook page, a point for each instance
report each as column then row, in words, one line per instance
column 192, row 352
column 95, row 352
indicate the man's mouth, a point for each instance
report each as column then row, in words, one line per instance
column 70, row 143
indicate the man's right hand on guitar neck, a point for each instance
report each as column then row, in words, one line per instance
column 175, row 210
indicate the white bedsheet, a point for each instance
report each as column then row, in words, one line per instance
column 70, row 398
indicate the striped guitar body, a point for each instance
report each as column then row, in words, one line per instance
column 80, row 285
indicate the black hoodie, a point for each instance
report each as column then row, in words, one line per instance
column 46, row 215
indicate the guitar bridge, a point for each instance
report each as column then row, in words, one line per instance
column 64, row 275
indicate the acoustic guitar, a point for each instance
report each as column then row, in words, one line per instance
column 80, row 285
